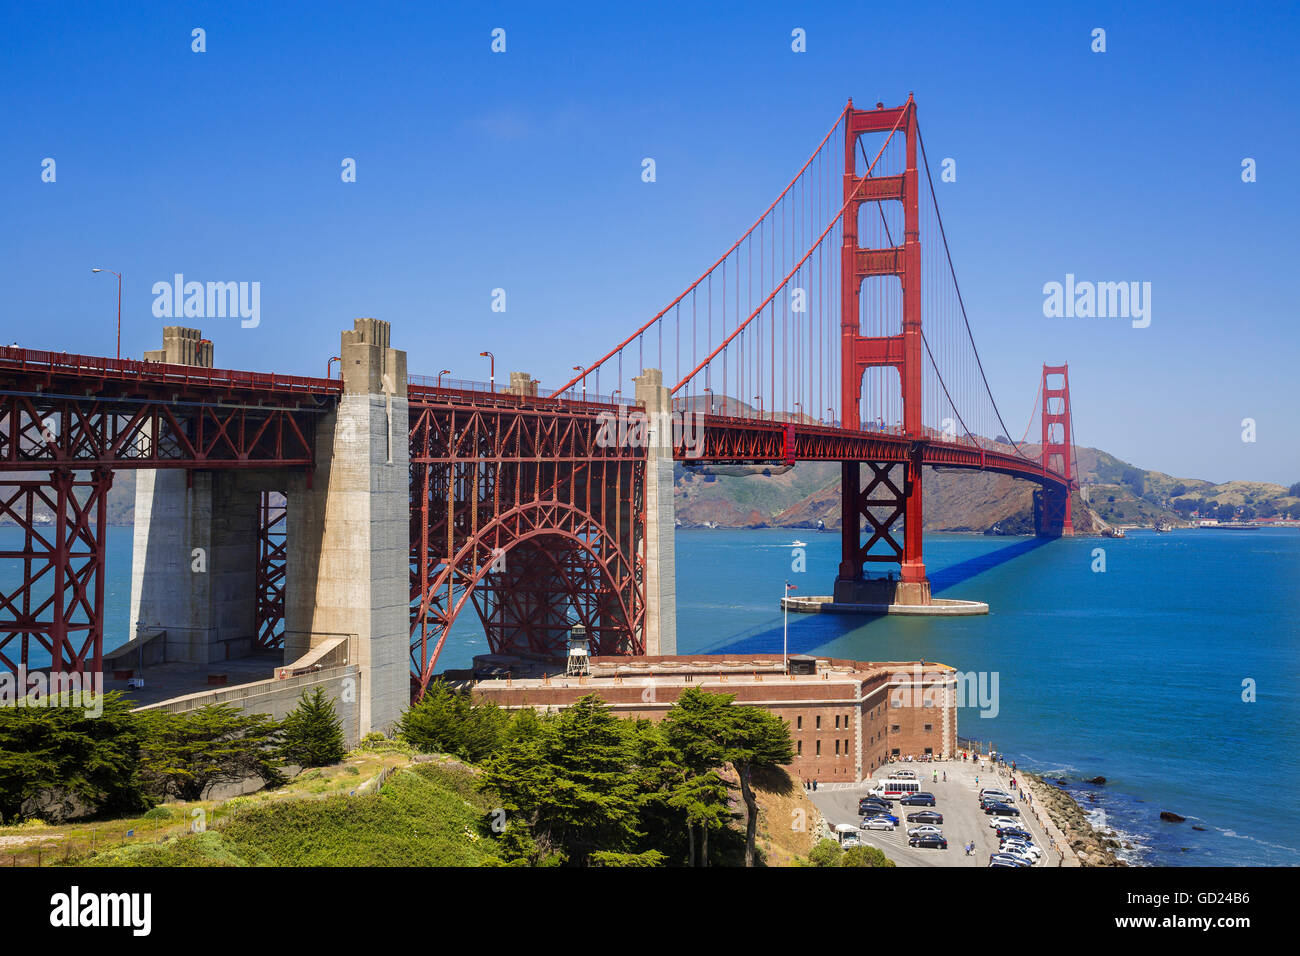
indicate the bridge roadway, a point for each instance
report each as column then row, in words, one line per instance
column 225, row 418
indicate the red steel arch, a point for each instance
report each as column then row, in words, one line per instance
column 519, row 505
column 606, row 594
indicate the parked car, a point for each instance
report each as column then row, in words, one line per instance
column 998, row 822
column 923, row 828
column 925, row 816
column 893, row 820
column 994, row 792
column 1006, row 859
column 879, row 823
column 871, row 803
column 1002, row 810
column 932, row 840
column 1014, row 832
column 921, row 799
column 1024, row 847
column 1019, row 854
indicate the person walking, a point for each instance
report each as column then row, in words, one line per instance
column 945, row 776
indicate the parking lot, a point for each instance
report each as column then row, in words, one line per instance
column 957, row 799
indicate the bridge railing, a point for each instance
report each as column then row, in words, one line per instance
column 486, row 391
column 52, row 364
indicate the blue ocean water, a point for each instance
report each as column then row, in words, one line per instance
column 1134, row 674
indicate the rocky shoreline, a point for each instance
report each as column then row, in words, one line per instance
column 1093, row 847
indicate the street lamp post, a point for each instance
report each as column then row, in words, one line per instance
column 760, row 405
column 709, row 392
column 579, row 368
column 445, row 371
column 119, row 308
column 830, row 416
column 492, row 370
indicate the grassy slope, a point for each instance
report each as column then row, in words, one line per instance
column 425, row 815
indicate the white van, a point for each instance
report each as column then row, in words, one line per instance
column 893, row 789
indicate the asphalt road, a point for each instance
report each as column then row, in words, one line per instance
column 963, row 820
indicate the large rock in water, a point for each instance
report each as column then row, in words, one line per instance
column 1171, row 817
column 1098, row 780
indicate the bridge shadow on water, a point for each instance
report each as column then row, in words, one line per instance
column 810, row 631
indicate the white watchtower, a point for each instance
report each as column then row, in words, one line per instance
column 578, row 653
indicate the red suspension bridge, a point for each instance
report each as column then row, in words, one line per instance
column 832, row 330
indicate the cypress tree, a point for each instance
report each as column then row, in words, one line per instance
column 312, row 734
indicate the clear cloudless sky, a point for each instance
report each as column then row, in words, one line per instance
column 522, row 170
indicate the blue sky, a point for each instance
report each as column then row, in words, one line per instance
column 522, row 171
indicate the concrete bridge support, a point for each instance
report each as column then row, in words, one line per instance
column 195, row 545
column 348, row 537
column 661, row 524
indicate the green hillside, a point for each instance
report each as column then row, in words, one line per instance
column 425, row 815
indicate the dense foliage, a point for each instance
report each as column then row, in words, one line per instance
column 585, row 788
column 58, row 762
column 312, row 734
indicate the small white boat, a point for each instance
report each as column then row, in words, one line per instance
column 798, row 544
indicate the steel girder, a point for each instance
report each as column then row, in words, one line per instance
column 519, row 509
column 272, row 555
column 43, row 431
column 58, row 604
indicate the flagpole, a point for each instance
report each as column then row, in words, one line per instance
column 785, row 632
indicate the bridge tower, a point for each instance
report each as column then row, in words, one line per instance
column 893, row 493
column 1052, row 511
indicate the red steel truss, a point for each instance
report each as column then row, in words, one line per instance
column 272, row 553
column 58, row 605
column 519, row 508
column 79, row 418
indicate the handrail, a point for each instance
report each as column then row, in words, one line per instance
column 64, row 363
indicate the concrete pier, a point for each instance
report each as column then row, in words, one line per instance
column 349, row 528
column 195, row 545
column 661, row 524
column 938, row 607
column 346, row 567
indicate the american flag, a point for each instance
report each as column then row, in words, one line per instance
column 791, row 587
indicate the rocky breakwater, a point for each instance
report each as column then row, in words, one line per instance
column 1093, row 847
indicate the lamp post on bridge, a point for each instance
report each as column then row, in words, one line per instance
column 579, row 368
column 492, row 370
column 709, row 392
column 830, row 416
column 760, row 405
column 445, row 371
column 119, row 308
column 798, row 410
